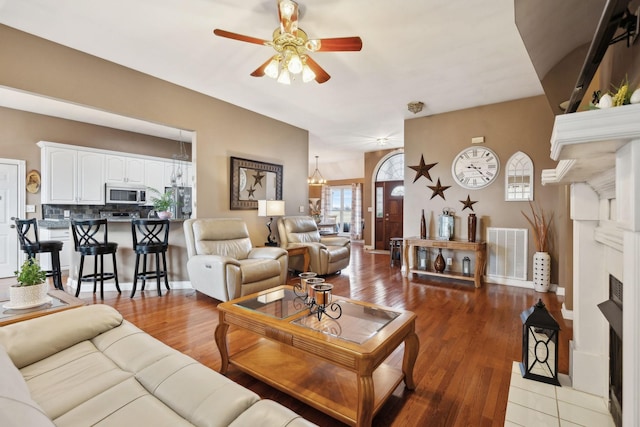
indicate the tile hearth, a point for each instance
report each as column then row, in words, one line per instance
column 535, row 404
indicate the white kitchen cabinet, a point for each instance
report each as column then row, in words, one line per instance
column 90, row 178
column 71, row 177
column 63, row 235
column 124, row 170
column 153, row 177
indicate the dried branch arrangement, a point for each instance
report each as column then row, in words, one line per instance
column 539, row 225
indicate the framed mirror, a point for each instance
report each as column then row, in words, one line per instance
column 519, row 178
column 252, row 181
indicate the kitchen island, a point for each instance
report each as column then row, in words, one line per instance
column 120, row 233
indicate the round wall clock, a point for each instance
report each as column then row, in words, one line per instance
column 475, row 167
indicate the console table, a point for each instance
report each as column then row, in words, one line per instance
column 479, row 248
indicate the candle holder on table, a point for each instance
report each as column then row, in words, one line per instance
column 317, row 295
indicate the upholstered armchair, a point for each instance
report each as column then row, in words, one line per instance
column 223, row 264
column 328, row 255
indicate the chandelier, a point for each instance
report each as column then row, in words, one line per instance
column 179, row 160
column 316, row 178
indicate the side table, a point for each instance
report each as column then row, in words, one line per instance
column 60, row 301
column 300, row 250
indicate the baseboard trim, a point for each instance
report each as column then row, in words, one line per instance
column 110, row 285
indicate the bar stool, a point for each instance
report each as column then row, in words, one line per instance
column 150, row 236
column 90, row 237
column 31, row 244
column 395, row 245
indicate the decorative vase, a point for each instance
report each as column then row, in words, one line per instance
column 28, row 296
column 439, row 264
column 541, row 271
column 164, row 214
column 423, row 227
column 471, row 230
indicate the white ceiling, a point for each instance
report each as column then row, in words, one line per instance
column 449, row 54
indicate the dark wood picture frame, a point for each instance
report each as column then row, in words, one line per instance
column 251, row 181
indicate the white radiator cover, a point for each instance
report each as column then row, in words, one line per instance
column 507, row 255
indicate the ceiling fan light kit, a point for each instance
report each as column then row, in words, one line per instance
column 293, row 47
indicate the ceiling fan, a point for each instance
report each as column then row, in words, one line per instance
column 293, row 47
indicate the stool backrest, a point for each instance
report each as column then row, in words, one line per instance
column 150, row 232
column 89, row 232
column 27, row 232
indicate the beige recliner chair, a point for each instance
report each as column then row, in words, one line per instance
column 328, row 255
column 223, row 264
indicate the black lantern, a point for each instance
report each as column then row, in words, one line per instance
column 539, row 345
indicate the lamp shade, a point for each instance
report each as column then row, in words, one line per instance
column 270, row 207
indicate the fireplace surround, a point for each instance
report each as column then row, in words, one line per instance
column 598, row 154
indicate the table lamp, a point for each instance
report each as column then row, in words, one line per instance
column 270, row 208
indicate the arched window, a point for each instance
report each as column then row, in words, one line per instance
column 519, row 178
column 392, row 169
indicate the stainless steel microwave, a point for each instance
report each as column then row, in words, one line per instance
column 125, row 195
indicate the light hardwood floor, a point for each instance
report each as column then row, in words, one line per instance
column 469, row 339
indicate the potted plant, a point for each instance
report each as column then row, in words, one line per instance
column 541, row 259
column 32, row 286
column 163, row 203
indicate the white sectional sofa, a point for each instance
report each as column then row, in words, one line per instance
column 88, row 366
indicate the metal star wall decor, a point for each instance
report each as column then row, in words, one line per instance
column 438, row 189
column 468, row 203
column 423, row 169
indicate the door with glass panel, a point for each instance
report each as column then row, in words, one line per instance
column 389, row 200
column 389, row 210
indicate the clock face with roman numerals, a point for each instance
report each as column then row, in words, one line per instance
column 475, row 167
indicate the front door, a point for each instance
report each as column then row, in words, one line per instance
column 388, row 212
column 8, row 211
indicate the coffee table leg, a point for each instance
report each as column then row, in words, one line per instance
column 411, row 347
column 221, row 341
column 365, row 402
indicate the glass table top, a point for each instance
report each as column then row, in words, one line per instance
column 279, row 304
column 357, row 323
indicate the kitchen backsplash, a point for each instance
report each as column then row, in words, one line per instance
column 90, row 211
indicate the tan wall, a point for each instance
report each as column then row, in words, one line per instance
column 522, row 125
column 222, row 130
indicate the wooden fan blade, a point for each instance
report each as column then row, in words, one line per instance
column 288, row 16
column 338, row 44
column 240, row 37
column 321, row 75
column 259, row 72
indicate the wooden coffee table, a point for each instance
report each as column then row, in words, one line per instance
column 336, row 366
column 60, row 301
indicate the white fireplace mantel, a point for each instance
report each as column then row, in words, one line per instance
column 585, row 146
column 598, row 152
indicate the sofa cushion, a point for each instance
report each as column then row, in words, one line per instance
column 125, row 404
column 272, row 414
column 29, row 342
column 70, row 377
column 195, row 392
column 17, row 408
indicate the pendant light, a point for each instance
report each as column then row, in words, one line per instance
column 316, row 178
